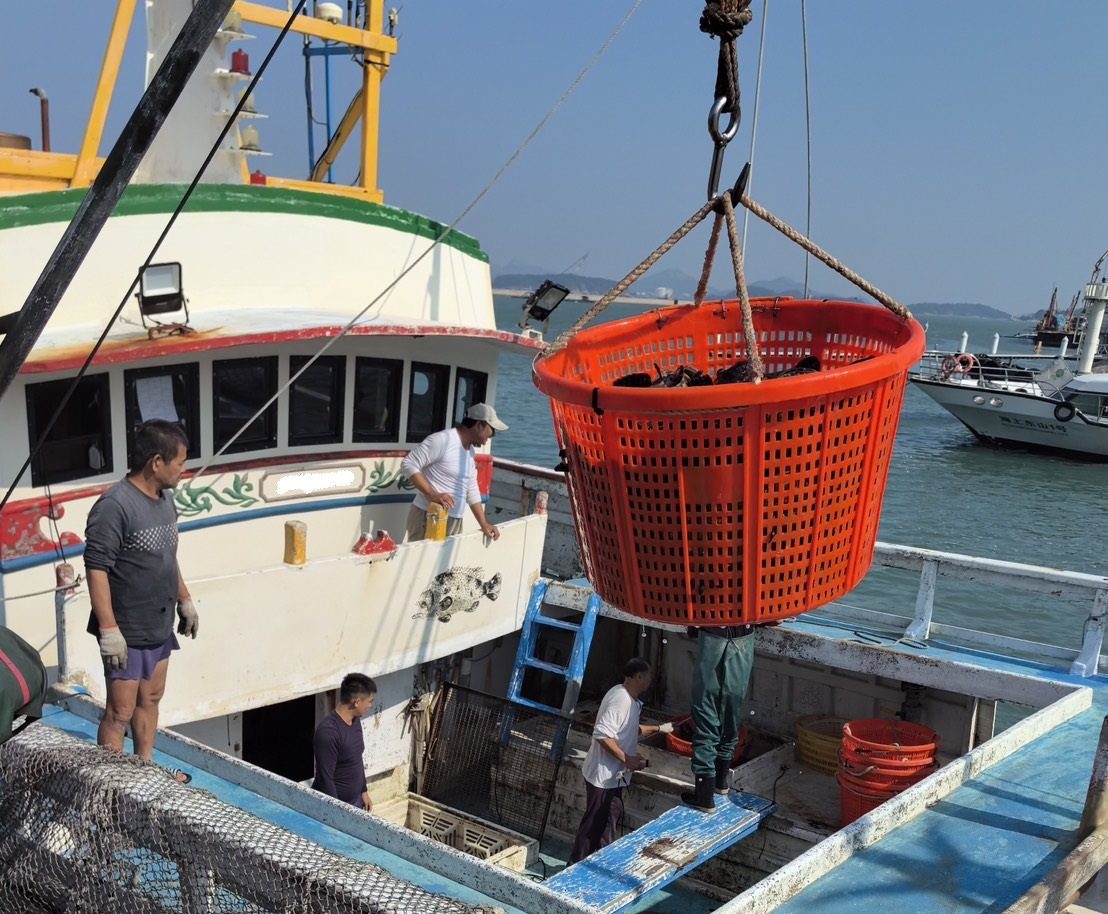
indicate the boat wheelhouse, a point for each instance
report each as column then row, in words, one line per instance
column 305, row 335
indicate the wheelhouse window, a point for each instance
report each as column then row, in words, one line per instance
column 427, row 392
column 79, row 444
column 239, row 388
column 170, row 392
column 469, row 387
column 316, row 400
column 377, row 399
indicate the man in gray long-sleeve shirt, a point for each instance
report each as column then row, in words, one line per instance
column 135, row 585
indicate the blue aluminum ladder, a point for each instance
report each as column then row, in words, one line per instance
column 573, row 672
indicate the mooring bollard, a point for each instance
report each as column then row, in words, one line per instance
column 296, row 542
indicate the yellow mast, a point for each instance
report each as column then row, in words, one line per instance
column 28, row 171
column 87, row 163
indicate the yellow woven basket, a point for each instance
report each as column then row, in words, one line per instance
column 818, row 738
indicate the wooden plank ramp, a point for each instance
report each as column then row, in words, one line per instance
column 679, row 840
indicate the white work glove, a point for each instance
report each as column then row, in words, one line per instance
column 667, row 727
column 113, row 647
column 190, row 618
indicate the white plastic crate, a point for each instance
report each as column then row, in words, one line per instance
column 462, row 831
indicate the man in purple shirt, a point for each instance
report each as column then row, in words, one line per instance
column 339, row 744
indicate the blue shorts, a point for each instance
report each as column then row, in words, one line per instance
column 142, row 660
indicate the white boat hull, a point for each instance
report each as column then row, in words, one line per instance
column 288, row 630
column 1012, row 417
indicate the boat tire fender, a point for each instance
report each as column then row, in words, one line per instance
column 1064, row 411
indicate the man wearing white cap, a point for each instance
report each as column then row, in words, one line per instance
column 443, row 469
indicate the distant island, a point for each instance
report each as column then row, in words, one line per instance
column 670, row 284
column 958, row 309
column 673, row 284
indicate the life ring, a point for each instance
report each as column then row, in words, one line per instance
column 965, row 362
column 1064, row 411
column 948, row 366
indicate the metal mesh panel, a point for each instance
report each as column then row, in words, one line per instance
column 493, row 758
column 83, row 829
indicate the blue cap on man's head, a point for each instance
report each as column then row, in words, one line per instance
column 482, row 412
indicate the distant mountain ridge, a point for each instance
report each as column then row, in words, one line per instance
column 679, row 285
column 656, row 284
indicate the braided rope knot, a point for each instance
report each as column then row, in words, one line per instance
column 725, row 18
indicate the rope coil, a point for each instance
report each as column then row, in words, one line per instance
column 725, row 19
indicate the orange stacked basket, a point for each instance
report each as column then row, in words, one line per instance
column 880, row 758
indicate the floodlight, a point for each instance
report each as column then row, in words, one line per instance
column 544, row 300
column 160, row 290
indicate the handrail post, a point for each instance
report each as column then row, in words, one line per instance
column 1088, row 659
column 920, row 629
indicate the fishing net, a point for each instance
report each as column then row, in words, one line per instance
column 85, row 830
column 493, row 758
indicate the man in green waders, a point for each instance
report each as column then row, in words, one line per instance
column 724, row 656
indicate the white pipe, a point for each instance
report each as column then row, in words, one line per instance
column 996, row 344
column 1096, row 297
column 1064, row 347
column 965, row 342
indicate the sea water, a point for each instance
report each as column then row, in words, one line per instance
column 946, row 491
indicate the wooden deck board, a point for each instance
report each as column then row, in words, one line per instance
column 676, row 842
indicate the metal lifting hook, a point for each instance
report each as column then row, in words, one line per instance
column 721, row 138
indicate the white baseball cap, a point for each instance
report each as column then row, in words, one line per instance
column 482, row 412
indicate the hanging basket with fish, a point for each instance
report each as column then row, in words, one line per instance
column 726, row 461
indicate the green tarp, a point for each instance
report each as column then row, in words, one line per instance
column 22, row 681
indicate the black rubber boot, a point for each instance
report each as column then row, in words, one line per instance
column 723, row 776
column 701, row 797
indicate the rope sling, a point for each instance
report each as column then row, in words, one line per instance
column 703, row 501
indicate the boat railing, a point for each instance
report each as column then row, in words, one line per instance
column 1088, row 589
column 994, row 372
column 562, row 561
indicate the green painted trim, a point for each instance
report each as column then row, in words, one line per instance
column 148, row 199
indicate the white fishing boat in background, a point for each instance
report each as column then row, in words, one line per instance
column 1007, row 400
column 1071, row 418
column 475, row 747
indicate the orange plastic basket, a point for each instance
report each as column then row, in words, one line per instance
column 735, row 503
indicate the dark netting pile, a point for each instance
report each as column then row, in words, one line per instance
column 493, row 758
column 85, row 831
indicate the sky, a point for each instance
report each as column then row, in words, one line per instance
column 956, row 147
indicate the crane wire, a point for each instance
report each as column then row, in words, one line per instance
column 808, row 126
column 346, row 329
column 754, row 116
column 435, row 243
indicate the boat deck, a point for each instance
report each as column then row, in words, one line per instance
column 975, row 848
column 290, row 819
column 983, row 845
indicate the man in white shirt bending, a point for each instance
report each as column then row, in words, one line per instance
column 612, row 756
column 443, row 468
